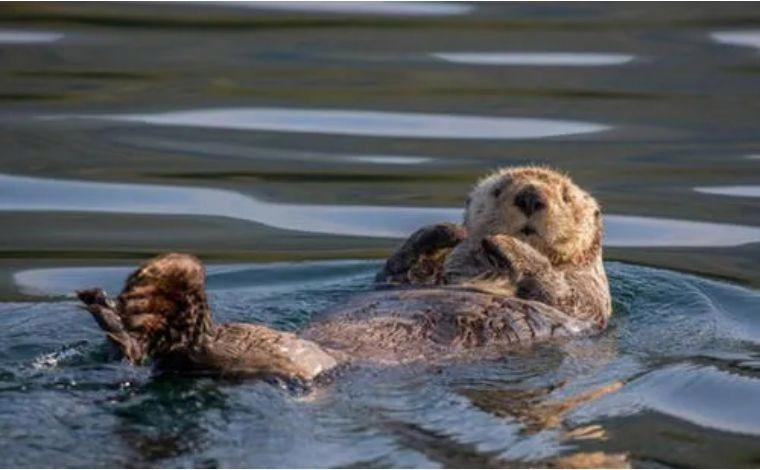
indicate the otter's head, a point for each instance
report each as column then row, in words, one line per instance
column 538, row 206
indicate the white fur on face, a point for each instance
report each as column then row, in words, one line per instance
column 567, row 227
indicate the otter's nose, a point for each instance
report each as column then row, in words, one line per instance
column 529, row 201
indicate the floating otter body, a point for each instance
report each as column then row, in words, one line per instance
column 525, row 266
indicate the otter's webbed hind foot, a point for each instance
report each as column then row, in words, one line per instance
column 162, row 314
column 104, row 311
column 162, row 305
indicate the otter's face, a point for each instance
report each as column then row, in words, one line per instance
column 538, row 206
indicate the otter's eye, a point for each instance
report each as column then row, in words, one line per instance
column 467, row 202
column 597, row 213
column 500, row 186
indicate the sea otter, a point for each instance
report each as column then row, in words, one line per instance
column 525, row 266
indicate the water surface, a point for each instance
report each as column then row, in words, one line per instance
column 359, row 123
column 48, row 195
column 27, row 37
column 738, row 191
column 364, row 8
column 292, row 146
column 561, row 59
column 685, row 349
column 739, row 38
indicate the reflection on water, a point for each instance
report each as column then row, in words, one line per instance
column 390, row 159
column 740, row 191
column 360, row 123
column 19, row 193
column 222, row 148
column 631, row 231
column 302, row 131
column 671, row 352
column 738, row 38
column 365, row 8
column 36, row 194
column 691, row 392
column 28, row 37
column 250, row 277
column 564, row 59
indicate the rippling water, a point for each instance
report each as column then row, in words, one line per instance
column 686, row 349
column 260, row 134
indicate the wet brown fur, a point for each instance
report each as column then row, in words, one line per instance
column 559, row 264
column 162, row 314
column 519, row 290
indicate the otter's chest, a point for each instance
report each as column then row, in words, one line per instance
column 436, row 323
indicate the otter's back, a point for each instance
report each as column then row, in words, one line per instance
column 394, row 326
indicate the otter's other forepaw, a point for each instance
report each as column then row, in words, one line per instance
column 512, row 256
column 420, row 258
column 498, row 258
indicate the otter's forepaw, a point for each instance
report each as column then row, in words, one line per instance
column 420, row 258
column 514, row 256
column 530, row 288
column 438, row 236
column 498, row 258
column 507, row 254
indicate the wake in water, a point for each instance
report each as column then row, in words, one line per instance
column 681, row 351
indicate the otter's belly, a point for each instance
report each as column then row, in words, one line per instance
column 437, row 323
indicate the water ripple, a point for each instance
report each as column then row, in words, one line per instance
column 8, row 36
column 737, row 191
column 358, row 123
column 258, row 277
column 365, row 8
column 19, row 193
column 705, row 396
column 749, row 38
column 375, row 412
column 562, row 59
